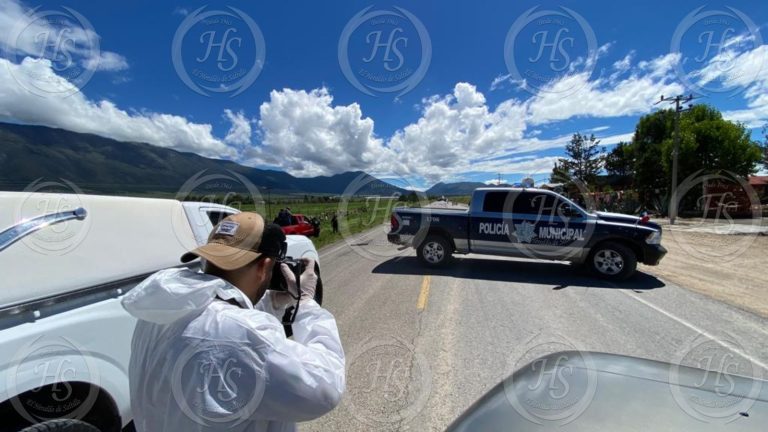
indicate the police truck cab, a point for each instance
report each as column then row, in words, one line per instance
column 530, row 223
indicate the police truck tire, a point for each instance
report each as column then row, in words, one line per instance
column 61, row 425
column 434, row 251
column 613, row 261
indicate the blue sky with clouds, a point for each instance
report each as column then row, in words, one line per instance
column 424, row 91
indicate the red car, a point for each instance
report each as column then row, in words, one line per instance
column 302, row 225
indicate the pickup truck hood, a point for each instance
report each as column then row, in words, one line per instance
column 625, row 218
column 617, row 217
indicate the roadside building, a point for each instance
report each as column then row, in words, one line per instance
column 760, row 185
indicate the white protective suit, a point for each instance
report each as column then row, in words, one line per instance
column 204, row 358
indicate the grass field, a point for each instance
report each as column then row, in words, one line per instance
column 354, row 216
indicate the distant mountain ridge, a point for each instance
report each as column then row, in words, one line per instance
column 459, row 188
column 102, row 165
column 96, row 164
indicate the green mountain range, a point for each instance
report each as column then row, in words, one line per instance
column 454, row 189
column 102, row 165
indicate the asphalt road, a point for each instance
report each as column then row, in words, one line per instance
column 422, row 345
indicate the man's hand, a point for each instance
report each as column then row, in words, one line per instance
column 308, row 281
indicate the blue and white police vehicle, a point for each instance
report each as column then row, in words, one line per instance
column 530, row 223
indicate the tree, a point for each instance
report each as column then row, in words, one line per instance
column 621, row 160
column 583, row 160
column 650, row 132
column 765, row 146
column 707, row 142
column 558, row 175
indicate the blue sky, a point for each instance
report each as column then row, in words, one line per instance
column 466, row 113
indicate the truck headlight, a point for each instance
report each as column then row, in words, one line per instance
column 654, row 238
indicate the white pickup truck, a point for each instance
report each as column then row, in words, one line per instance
column 65, row 262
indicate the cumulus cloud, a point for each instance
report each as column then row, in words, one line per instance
column 606, row 97
column 528, row 167
column 305, row 134
column 756, row 113
column 240, row 130
column 501, row 80
column 31, row 32
column 624, row 64
column 79, row 114
column 106, row 61
column 615, row 139
column 747, row 70
column 459, row 132
column 597, row 129
column 455, row 128
column 456, row 133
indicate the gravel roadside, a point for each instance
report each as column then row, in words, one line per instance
column 730, row 268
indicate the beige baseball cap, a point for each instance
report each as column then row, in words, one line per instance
column 238, row 240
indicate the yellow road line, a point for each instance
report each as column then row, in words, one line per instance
column 424, row 294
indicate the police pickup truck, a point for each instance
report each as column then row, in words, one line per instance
column 530, row 223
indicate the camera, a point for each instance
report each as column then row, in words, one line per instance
column 278, row 283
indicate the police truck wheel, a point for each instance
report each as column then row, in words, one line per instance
column 434, row 251
column 613, row 261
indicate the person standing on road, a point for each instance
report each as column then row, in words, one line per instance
column 282, row 218
column 209, row 352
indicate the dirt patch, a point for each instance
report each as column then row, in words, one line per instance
column 729, row 268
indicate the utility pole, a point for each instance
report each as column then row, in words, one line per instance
column 678, row 101
column 499, row 182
